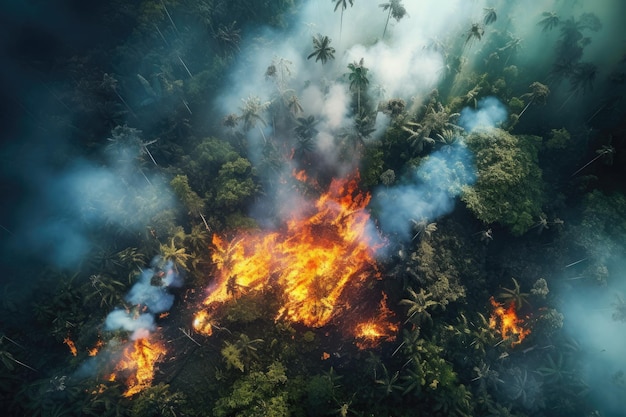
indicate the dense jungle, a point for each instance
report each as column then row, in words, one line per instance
column 313, row 208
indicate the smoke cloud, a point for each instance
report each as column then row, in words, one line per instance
column 589, row 311
column 66, row 207
column 489, row 113
column 428, row 192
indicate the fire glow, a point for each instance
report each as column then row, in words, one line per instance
column 138, row 362
column 505, row 320
column 316, row 263
column 70, row 344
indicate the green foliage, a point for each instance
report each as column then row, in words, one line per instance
column 191, row 200
column 157, row 401
column 238, row 221
column 559, row 139
column 516, row 105
column 514, row 296
column 509, row 189
column 232, row 356
column 373, row 164
column 319, row 395
column 257, row 394
column 437, row 265
column 322, row 51
column 206, row 160
column 236, row 183
column 602, row 226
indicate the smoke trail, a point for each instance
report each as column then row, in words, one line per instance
column 427, row 193
column 150, row 294
column 430, row 190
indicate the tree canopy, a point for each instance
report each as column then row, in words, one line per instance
column 509, row 188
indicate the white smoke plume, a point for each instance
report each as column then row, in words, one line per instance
column 489, row 113
column 428, row 192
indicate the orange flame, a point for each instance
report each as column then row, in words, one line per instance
column 70, row 343
column 202, row 323
column 313, row 263
column 370, row 333
column 94, row 350
column 507, row 322
column 138, row 361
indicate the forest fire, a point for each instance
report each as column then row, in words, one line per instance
column 138, row 362
column 319, row 259
column 505, row 320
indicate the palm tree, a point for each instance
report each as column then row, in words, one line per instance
column 476, row 31
column 606, row 152
column 358, row 79
column 424, row 228
column 198, row 238
column 412, row 381
column 389, row 383
column 555, row 371
column 490, row 15
column 280, row 70
column 550, row 21
column 486, row 376
column 344, row 5
column 251, row 114
column 228, row 37
column 417, row 138
column 172, row 252
column 582, row 77
column 538, row 92
column 524, row 388
column 396, row 10
column 305, row 131
column 514, row 295
column 306, row 127
column 322, row 51
column 247, row 346
column 418, row 303
column 513, row 45
column 108, row 289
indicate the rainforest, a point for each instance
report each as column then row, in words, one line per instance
column 316, row 208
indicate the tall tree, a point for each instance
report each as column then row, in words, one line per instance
column 344, row 5
column 358, row 80
column 396, row 10
column 490, row 15
column 322, row 51
column 538, row 92
column 550, row 21
column 251, row 113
